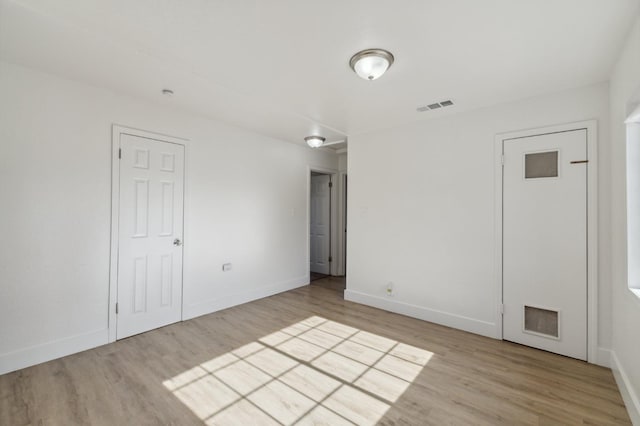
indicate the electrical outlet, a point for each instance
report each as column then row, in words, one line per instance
column 390, row 289
column 226, row 267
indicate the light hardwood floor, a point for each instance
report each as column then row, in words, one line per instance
column 331, row 283
column 308, row 356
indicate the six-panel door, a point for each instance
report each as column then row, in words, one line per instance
column 150, row 234
column 319, row 226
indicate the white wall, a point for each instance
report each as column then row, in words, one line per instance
column 246, row 204
column 625, row 90
column 421, row 210
column 342, row 162
column 341, row 252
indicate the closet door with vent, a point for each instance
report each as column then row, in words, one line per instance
column 545, row 242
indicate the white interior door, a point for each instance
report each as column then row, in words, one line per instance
column 320, row 216
column 545, row 242
column 150, row 234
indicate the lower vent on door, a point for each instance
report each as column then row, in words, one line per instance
column 541, row 321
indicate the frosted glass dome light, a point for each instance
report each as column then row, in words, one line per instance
column 314, row 141
column 370, row 64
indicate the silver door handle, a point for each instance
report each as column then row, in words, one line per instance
column 177, row 242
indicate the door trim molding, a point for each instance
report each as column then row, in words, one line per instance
column 116, row 132
column 333, row 268
column 342, row 222
column 591, row 126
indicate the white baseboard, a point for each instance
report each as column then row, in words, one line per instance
column 33, row 355
column 213, row 305
column 603, row 358
column 629, row 395
column 484, row 328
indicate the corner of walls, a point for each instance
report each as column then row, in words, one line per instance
column 342, row 162
column 625, row 349
column 629, row 396
column 603, row 357
column 249, row 209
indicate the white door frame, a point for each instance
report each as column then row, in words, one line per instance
column 342, row 221
column 333, row 268
column 116, row 132
column 592, row 224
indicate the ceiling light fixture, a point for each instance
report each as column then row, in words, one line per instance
column 370, row 64
column 167, row 92
column 314, row 141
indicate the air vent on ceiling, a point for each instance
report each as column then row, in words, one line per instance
column 435, row 106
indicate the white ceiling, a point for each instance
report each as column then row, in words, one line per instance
column 281, row 67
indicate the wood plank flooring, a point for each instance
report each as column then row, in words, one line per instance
column 313, row 276
column 309, row 357
column 332, row 283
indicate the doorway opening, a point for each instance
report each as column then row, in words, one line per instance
column 326, row 221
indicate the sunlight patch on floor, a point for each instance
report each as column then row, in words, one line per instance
column 312, row 372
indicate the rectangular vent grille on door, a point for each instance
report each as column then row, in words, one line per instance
column 541, row 321
column 541, row 165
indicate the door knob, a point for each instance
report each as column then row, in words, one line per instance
column 177, row 242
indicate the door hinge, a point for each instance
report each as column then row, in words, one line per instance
column 330, row 184
column 119, row 152
column 501, row 307
column 116, row 309
column 502, row 159
column 330, row 258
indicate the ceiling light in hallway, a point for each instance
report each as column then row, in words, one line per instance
column 370, row 64
column 314, row 141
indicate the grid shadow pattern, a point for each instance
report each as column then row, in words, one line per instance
column 315, row 371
